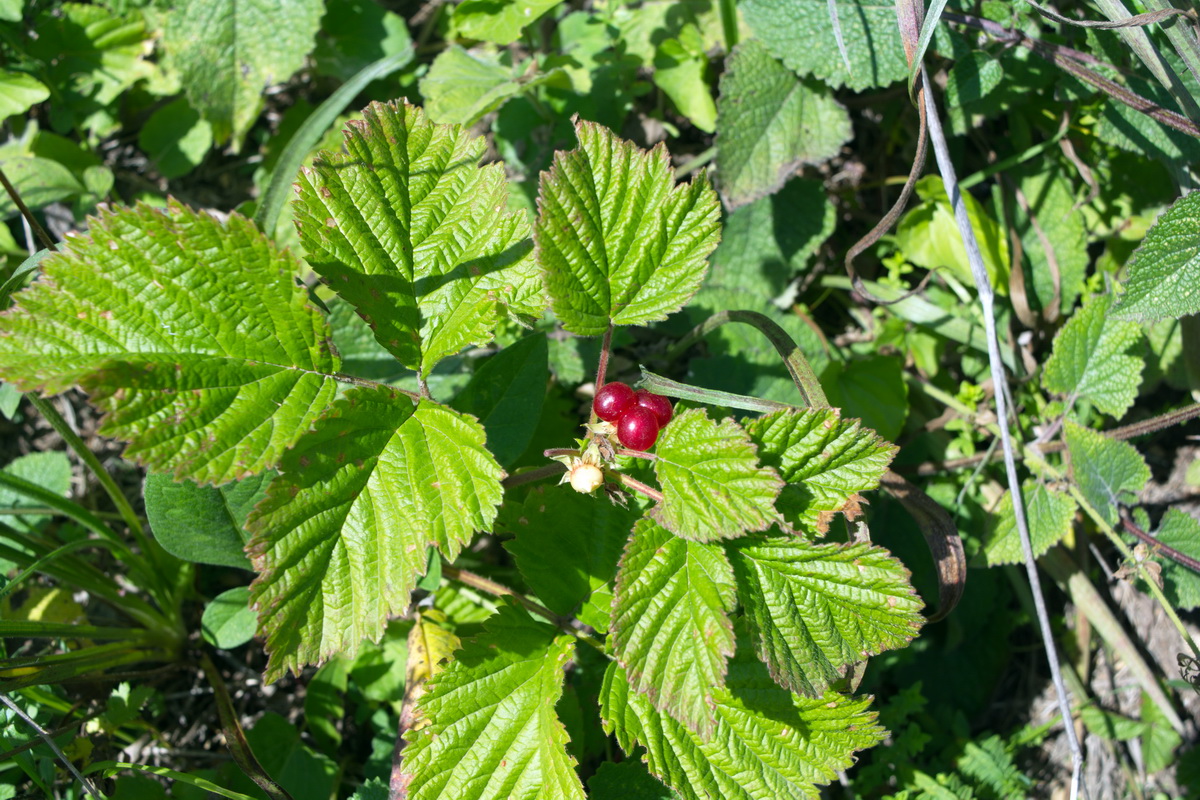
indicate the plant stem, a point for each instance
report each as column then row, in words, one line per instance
column 26, row 214
column 1159, row 547
column 602, row 367
column 669, row 388
column 495, row 589
column 536, row 474
column 45, row 737
column 633, row 483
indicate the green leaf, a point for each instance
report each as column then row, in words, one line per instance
column 872, row 389
column 799, row 33
column 616, row 239
column 10, row 398
column 19, row 93
column 357, row 33
column 229, row 51
column 39, row 181
column 49, row 470
column 972, row 78
column 1050, row 515
column 324, row 702
column 492, row 729
column 771, row 123
column 825, row 460
column 506, row 394
column 1091, row 359
column 1054, row 237
column 712, row 484
column 815, row 609
column 627, row 780
column 228, row 621
column 462, row 86
column 1108, row 472
column 410, row 229
column 567, row 546
column 928, row 235
column 767, row 744
column 340, row 539
column 765, row 244
column 176, row 138
column 204, row 524
column 1164, row 272
column 1159, row 739
column 191, row 333
column 498, row 21
column 679, row 67
column 1181, row 585
column 670, row 628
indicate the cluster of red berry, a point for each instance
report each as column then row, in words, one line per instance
column 639, row 416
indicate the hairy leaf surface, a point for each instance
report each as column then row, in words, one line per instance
column 770, row 122
column 1050, row 515
column 342, row 536
column 410, row 229
column 767, row 744
column 1181, row 532
column 493, row 732
column 712, row 484
column 1109, row 472
column 190, row 333
column 1164, row 272
column 817, row 608
column 617, row 240
column 1091, row 359
column 671, row 627
column 826, row 461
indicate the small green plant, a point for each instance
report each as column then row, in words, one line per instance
column 726, row 616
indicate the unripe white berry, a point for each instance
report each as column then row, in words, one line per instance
column 586, row 478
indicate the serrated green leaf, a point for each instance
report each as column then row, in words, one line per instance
column 492, row 729
column 825, row 460
column 498, row 21
column 1108, row 472
column 204, row 524
column 1164, row 272
column 616, row 239
column 1181, row 585
column 766, row 243
column 567, row 546
column 340, row 539
column 816, row 609
column 506, row 394
column 767, row 744
column 799, row 32
column 191, row 333
column 770, row 123
column 1091, row 359
column 670, row 625
column 462, row 86
column 229, row 51
column 712, row 484
column 19, row 92
column 410, row 229
column 227, row 621
column 1049, row 514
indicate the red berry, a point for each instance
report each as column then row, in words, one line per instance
column 638, row 428
column 613, row 400
column 660, row 405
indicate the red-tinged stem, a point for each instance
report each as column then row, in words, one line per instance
column 621, row 451
column 541, row 473
column 1160, row 548
column 638, row 486
column 602, row 367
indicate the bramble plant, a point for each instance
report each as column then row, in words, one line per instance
column 731, row 623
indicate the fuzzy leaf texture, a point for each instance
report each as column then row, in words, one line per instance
column 770, row 123
column 1108, row 472
column 341, row 537
column 415, row 234
column 800, row 33
column 670, row 625
column 229, row 51
column 617, row 241
column 1181, row 585
column 1050, row 515
column 826, row 461
column 493, row 733
column 1091, row 359
column 815, row 609
column 567, row 565
column 191, row 334
column 1164, row 272
column 712, row 484
column 767, row 744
